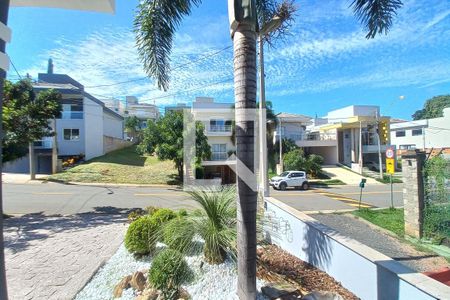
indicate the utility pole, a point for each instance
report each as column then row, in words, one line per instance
column 4, row 8
column 360, row 160
column 281, row 147
column 262, row 121
column 380, row 160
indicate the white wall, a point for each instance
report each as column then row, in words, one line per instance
column 435, row 132
column 70, row 147
column 93, row 120
column 362, row 270
column 112, row 126
column 353, row 110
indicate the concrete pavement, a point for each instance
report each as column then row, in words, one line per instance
column 346, row 176
column 54, row 257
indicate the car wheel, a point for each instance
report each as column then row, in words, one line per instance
column 305, row 186
column 283, row 186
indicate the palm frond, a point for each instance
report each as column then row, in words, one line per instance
column 376, row 15
column 155, row 24
column 268, row 10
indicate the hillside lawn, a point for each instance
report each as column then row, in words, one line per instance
column 121, row 166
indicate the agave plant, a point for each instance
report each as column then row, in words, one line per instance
column 214, row 223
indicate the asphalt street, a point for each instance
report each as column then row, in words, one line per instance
column 55, row 198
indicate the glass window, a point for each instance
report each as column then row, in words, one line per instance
column 416, row 132
column 71, row 134
column 400, row 133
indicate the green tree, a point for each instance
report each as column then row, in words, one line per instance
column 296, row 160
column 155, row 25
column 26, row 116
column 165, row 139
column 433, row 108
column 131, row 125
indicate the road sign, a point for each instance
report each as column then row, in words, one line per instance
column 390, row 165
column 390, row 153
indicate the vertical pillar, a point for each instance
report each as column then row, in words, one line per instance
column 4, row 8
column 413, row 192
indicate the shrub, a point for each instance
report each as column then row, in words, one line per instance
column 163, row 215
column 135, row 214
column 150, row 210
column 139, row 238
column 168, row 272
column 178, row 234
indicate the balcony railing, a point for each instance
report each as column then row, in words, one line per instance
column 43, row 144
column 72, row 115
column 219, row 156
column 220, row 128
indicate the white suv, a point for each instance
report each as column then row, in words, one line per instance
column 296, row 179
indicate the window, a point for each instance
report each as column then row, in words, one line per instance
column 416, row 132
column 219, row 151
column 400, row 133
column 407, row 147
column 71, row 134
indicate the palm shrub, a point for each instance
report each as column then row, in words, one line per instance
column 168, row 272
column 214, row 223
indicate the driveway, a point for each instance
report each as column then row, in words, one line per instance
column 54, row 257
column 346, row 176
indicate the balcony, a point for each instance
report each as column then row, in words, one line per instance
column 67, row 115
column 219, row 130
column 215, row 156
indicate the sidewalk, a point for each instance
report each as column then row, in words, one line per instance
column 16, row 178
column 347, row 176
column 54, row 257
column 370, row 236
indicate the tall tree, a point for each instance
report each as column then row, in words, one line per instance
column 26, row 116
column 433, row 108
column 155, row 25
column 131, row 125
column 165, row 139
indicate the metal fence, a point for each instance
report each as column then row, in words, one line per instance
column 437, row 200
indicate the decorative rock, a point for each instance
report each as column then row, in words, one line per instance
column 122, row 285
column 277, row 290
column 183, row 294
column 138, row 281
column 150, row 294
column 320, row 295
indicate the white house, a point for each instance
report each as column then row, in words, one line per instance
column 217, row 119
column 427, row 135
column 340, row 135
column 86, row 126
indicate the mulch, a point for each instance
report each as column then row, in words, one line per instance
column 275, row 264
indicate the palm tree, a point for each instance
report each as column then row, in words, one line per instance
column 155, row 25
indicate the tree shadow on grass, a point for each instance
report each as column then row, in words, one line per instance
column 21, row 232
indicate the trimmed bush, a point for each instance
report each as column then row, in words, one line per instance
column 168, row 272
column 139, row 238
column 150, row 210
column 163, row 215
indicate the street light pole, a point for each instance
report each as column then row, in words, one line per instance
column 380, row 160
column 4, row 8
column 262, row 121
column 281, row 147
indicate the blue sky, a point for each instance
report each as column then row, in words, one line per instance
column 324, row 64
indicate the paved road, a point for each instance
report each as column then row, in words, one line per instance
column 340, row 197
column 54, row 198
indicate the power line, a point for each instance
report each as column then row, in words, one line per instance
column 175, row 68
column 17, row 72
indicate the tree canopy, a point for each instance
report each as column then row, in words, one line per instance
column 26, row 116
column 296, row 160
column 433, row 108
column 165, row 139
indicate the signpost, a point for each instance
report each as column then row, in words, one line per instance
column 390, row 169
column 361, row 185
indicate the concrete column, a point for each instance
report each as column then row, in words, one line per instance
column 413, row 192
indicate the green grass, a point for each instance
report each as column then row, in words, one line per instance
column 386, row 179
column 121, row 166
column 391, row 219
column 326, row 182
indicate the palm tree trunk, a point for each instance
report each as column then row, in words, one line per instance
column 245, row 98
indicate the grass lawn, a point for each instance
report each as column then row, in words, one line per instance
column 121, row 166
column 326, row 182
column 390, row 219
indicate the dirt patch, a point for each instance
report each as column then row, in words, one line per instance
column 275, row 264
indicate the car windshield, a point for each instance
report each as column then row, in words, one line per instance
column 284, row 174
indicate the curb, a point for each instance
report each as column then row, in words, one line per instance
column 101, row 184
